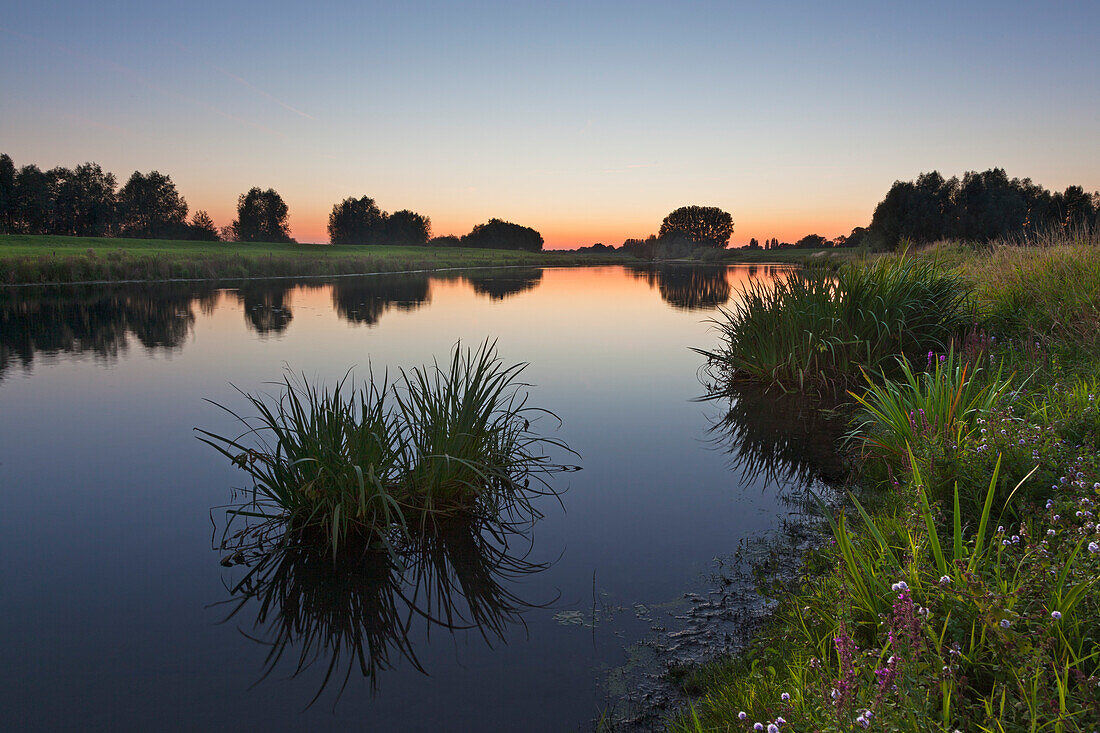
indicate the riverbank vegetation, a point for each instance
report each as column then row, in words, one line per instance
column 364, row 465
column 958, row 590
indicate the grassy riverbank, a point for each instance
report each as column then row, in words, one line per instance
column 961, row 593
column 47, row 259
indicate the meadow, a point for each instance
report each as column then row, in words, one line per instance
column 55, row 259
column 957, row 589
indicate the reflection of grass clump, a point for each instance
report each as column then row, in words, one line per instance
column 443, row 440
column 364, row 611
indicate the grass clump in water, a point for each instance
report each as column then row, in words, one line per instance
column 342, row 464
column 813, row 331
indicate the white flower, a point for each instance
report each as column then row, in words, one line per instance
column 1056, row 615
column 900, row 586
column 945, row 579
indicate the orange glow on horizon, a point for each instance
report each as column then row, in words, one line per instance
column 313, row 228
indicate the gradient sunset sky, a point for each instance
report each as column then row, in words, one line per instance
column 588, row 121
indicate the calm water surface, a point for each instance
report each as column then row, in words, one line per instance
column 114, row 603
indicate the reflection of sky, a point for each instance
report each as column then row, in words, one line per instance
column 588, row 121
column 105, row 496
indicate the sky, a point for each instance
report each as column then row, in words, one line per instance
column 587, row 121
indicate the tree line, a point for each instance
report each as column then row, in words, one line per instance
column 979, row 207
column 86, row 202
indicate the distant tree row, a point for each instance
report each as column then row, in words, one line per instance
column 84, row 202
column 360, row 221
column 980, row 207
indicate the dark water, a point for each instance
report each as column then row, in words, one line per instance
column 116, row 612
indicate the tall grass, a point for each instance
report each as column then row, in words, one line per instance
column 339, row 464
column 811, row 331
column 964, row 597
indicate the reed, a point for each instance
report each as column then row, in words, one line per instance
column 815, row 332
column 341, row 464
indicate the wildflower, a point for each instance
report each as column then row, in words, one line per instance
column 901, row 585
column 1050, row 503
column 1050, row 533
column 1005, row 623
column 780, row 720
column 742, row 715
column 1015, row 539
column 945, row 579
column 863, row 722
column 758, row 726
column 1056, row 615
column 785, row 696
column 1093, row 547
column 1000, row 529
column 773, row 728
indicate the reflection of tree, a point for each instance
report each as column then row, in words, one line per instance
column 265, row 305
column 357, row 612
column 366, row 299
column 500, row 284
column 688, row 287
column 782, row 438
column 95, row 319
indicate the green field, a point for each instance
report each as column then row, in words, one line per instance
column 45, row 259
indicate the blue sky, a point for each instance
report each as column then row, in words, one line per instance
column 587, row 121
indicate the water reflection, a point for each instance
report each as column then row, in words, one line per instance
column 96, row 319
column 266, row 305
column 362, row 612
column 501, row 284
column 687, row 287
column 102, row 319
column 365, row 300
column 781, row 439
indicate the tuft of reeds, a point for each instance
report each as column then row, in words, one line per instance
column 815, row 332
column 941, row 405
column 447, row 440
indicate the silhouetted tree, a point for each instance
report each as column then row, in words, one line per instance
column 707, row 226
column 407, row 228
column 990, row 205
column 983, row 206
column 33, row 200
column 261, row 217
column 498, row 234
column 753, row 244
column 84, row 201
column 149, row 206
column 855, row 239
column 812, row 240
column 202, row 227
column 1073, row 208
column 356, row 221
column 448, row 240
column 7, row 193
